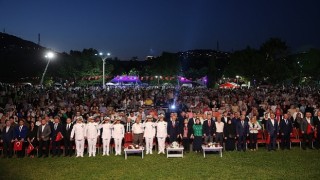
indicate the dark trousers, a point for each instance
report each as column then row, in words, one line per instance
column 318, row 140
column 7, row 149
column 68, row 147
column 272, row 144
column 138, row 139
column 186, row 144
column 43, row 145
column 219, row 138
column 173, row 138
column 307, row 137
column 242, row 143
column 285, row 141
column 197, row 142
column 253, row 140
column 56, row 149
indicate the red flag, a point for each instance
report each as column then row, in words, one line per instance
column 309, row 129
column 268, row 139
column 30, row 148
column 59, row 136
column 17, row 146
column 128, row 137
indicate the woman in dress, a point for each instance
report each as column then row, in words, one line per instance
column 32, row 137
column 197, row 135
column 254, row 128
column 230, row 135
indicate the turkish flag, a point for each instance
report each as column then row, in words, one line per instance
column 59, row 136
column 17, row 146
column 128, row 137
column 30, row 148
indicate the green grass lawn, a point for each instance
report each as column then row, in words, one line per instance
column 293, row 164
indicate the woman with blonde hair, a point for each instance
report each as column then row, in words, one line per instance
column 254, row 128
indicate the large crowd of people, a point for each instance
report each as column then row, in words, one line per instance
column 51, row 121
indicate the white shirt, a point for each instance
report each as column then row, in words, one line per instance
column 219, row 127
column 149, row 130
column 254, row 129
column 308, row 120
column 106, row 130
column 162, row 129
column 137, row 128
column 7, row 128
column 91, row 131
column 272, row 121
column 118, row 131
column 43, row 126
column 78, row 131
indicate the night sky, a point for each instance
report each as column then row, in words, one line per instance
column 148, row 27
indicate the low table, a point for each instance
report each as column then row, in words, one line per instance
column 171, row 149
column 212, row 149
column 133, row 151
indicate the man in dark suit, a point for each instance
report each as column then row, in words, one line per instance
column 66, row 131
column 242, row 129
column 20, row 134
column 7, row 137
column 316, row 123
column 43, row 136
column 56, row 128
column 173, row 128
column 225, row 117
column 209, row 128
column 285, row 130
column 273, row 130
column 307, row 130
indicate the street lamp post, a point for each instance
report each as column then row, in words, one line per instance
column 48, row 56
column 237, row 79
column 103, row 68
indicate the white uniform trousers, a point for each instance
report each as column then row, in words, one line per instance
column 106, row 146
column 80, row 147
column 161, row 144
column 117, row 143
column 92, row 146
column 149, row 144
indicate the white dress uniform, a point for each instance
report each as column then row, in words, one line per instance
column 92, row 134
column 106, row 137
column 161, row 135
column 149, row 133
column 78, row 131
column 118, row 135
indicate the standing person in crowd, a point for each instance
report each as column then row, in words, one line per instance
column 149, row 133
column 285, row 130
column 91, row 134
column 56, row 136
column 273, row 131
column 209, row 128
column 43, row 137
column 118, row 135
column 197, row 135
column 20, row 134
column 307, row 130
column 106, row 136
column 67, row 129
column 230, row 135
column 32, row 138
column 173, row 128
column 298, row 120
column 219, row 131
column 254, row 128
column 137, row 131
column 78, row 134
column 161, row 133
column 242, row 129
column 316, row 122
column 7, row 138
column 186, row 134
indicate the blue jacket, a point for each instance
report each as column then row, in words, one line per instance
column 286, row 129
column 20, row 134
column 242, row 130
column 7, row 136
column 272, row 129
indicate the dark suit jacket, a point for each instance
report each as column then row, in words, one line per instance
column 272, row 129
column 125, row 127
column 304, row 124
column 209, row 131
column 286, row 129
column 67, row 133
column 7, row 136
column 242, row 130
column 54, row 132
column 21, row 134
column 225, row 121
column 46, row 132
column 316, row 123
column 173, row 131
column 190, row 131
